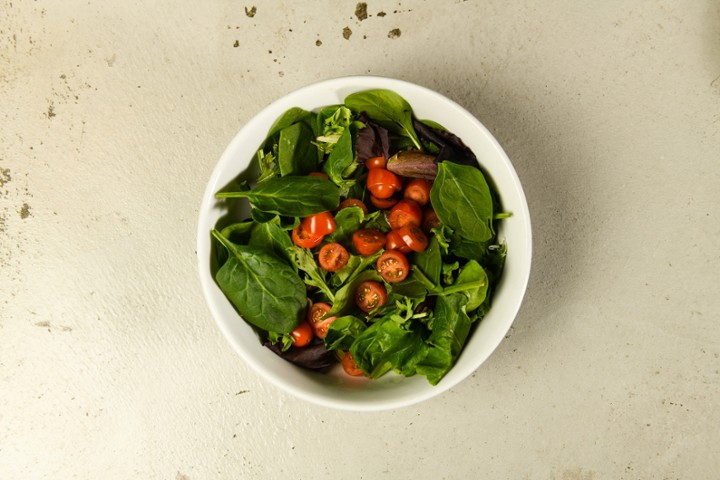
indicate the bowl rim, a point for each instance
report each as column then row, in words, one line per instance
column 351, row 83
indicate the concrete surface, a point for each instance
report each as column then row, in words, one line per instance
column 112, row 116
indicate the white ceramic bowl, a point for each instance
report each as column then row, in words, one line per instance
column 336, row 389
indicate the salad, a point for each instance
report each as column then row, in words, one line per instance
column 371, row 240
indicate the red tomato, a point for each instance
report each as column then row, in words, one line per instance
column 319, row 224
column 418, row 189
column 393, row 241
column 369, row 295
column 405, row 212
column 318, row 174
column 349, row 365
column 353, row 202
column 368, row 241
column 430, row 219
column 393, row 266
column 383, row 203
column 333, row 257
column 305, row 239
column 316, row 318
column 383, row 183
column 414, row 238
column 375, row 162
column 302, row 335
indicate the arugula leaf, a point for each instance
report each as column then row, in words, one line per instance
column 388, row 109
column 265, row 291
column 304, row 260
column 291, row 196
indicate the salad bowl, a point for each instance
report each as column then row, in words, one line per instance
column 334, row 388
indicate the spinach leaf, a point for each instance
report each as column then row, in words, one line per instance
column 272, row 238
column 347, row 221
column 388, row 109
column 265, row 291
column 341, row 163
column 291, row 196
column 450, row 328
column 343, row 332
column 289, row 117
column 429, row 261
column 296, row 153
column 344, row 302
column 461, row 198
column 472, row 281
column 238, row 233
column 386, row 345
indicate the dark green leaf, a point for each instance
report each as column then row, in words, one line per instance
column 386, row 345
column 386, row 108
column 343, row 332
column 296, row 153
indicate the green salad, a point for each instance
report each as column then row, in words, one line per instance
column 371, row 240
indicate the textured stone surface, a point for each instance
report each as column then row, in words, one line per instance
column 113, row 115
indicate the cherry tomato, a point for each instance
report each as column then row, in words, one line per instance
column 302, row 335
column 375, row 162
column 349, row 365
column 368, row 241
column 369, row 295
column 414, row 238
column 319, row 224
column 430, row 219
column 393, row 241
column 418, row 189
column 393, row 266
column 383, row 203
column 305, row 239
column 333, row 257
column 317, row 320
column 383, row 183
column 405, row 212
column 353, row 202
column 318, row 174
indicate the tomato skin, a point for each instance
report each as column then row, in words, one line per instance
column 302, row 335
column 368, row 241
column 414, row 237
column 305, row 239
column 430, row 219
column 405, row 212
column 333, row 257
column 319, row 174
column 394, row 241
column 393, row 266
column 349, row 365
column 383, row 203
column 383, row 183
column 418, row 189
column 317, row 320
column 375, row 162
column 370, row 295
column 321, row 224
column 353, row 202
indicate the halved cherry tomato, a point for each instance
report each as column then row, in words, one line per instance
column 353, row 202
column 418, row 189
column 393, row 241
column 302, row 335
column 349, row 365
column 383, row 183
column 405, row 212
column 319, row 223
column 393, row 266
column 305, row 239
column 316, row 318
column 375, row 162
column 383, row 203
column 369, row 295
column 318, row 174
column 333, row 257
column 414, row 237
column 368, row 241
column 430, row 219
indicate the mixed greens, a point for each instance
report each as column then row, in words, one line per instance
column 371, row 240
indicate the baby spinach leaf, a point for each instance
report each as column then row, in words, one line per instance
column 296, row 153
column 341, row 162
column 429, row 261
column 386, row 345
column 347, row 221
column 291, row 196
column 472, row 281
column 238, row 233
column 461, row 198
column 272, row 238
column 290, row 117
column 265, row 291
column 343, row 332
column 387, row 109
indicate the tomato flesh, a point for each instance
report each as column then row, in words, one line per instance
column 370, row 295
column 317, row 320
column 304, row 239
column 321, row 224
column 393, row 266
column 349, row 365
column 418, row 189
column 333, row 257
column 414, row 238
column 368, row 241
column 302, row 335
column 405, row 212
column 383, row 183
